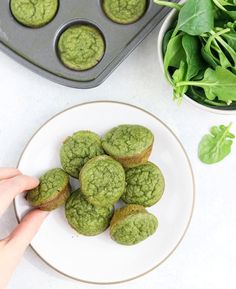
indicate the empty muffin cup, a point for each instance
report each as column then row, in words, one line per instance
column 124, row 11
column 81, row 47
column 34, row 13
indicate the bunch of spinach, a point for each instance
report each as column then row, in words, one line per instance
column 200, row 51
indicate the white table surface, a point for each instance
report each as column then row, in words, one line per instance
column 206, row 258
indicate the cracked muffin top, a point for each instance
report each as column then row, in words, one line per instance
column 132, row 224
column 124, row 11
column 128, row 142
column 84, row 217
column 34, row 13
column 144, row 185
column 52, row 190
column 78, row 149
column 102, row 181
column 81, row 47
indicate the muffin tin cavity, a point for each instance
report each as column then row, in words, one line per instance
column 81, row 47
column 124, row 11
column 34, row 13
column 78, row 43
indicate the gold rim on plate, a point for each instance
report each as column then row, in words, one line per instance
column 193, row 182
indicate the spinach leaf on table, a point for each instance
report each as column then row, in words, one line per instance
column 214, row 147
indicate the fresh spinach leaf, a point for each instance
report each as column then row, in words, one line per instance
column 174, row 54
column 188, row 68
column 200, row 59
column 221, row 17
column 214, row 147
column 180, row 75
column 192, row 48
column 226, row 51
column 209, row 57
column 197, row 94
column 196, row 17
column 228, row 6
column 232, row 14
column 231, row 39
column 213, row 52
column 166, row 40
column 219, row 83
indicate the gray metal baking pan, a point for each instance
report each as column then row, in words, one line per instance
column 36, row 48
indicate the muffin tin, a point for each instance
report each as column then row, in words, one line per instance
column 36, row 48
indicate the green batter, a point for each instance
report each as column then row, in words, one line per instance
column 124, row 11
column 34, row 13
column 81, row 47
column 132, row 224
column 85, row 218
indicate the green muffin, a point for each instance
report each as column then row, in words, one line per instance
column 52, row 191
column 102, row 181
column 34, row 13
column 81, row 47
column 78, row 149
column 132, row 224
column 131, row 145
column 124, row 11
column 145, row 185
column 84, row 217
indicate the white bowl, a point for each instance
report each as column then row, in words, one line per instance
column 164, row 28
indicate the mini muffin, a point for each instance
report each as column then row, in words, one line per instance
column 131, row 145
column 78, row 149
column 132, row 224
column 124, row 11
column 34, row 13
column 52, row 191
column 84, row 217
column 102, row 181
column 145, row 185
column 81, row 47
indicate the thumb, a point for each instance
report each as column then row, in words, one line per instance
column 21, row 237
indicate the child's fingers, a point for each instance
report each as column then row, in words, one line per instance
column 6, row 173
column 9, row 188
column 21, row 237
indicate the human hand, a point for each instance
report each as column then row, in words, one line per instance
column 12, row 182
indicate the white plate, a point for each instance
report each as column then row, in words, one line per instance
column 99, row 259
